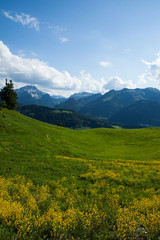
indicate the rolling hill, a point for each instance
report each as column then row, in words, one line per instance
column 23, row 138
column 59, row 183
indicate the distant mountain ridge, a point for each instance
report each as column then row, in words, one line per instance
column 77, row 103
column 142, row 113
column 80, row 95
column 113, row 101
column 32, row 95
column 117, row 107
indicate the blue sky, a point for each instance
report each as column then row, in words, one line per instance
column 68, row 46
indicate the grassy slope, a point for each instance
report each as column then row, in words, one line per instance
column 29, row 147
column 114, row 171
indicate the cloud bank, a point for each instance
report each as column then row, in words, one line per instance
column 32, row 71
column 24, row 19
column 36, row 72
column 117, row 83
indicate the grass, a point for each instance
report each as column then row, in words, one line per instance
column 77, row 184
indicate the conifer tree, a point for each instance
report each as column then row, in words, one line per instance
column 8, row 96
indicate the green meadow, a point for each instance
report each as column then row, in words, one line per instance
column 58, row 183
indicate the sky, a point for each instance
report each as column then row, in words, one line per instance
column 69, row 46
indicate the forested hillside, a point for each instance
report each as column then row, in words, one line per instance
column 63, row 118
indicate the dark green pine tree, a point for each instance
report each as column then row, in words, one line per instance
column 8, row 96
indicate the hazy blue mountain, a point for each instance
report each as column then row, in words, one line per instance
column 47, row 100
column 31, row 95
column 113, row 101
column 141, row 113
column 69, row 104
column 26, row 98
column 77, row 103
column 31, row 90
column 59, row 98
column 77, row 96
column 127, row 107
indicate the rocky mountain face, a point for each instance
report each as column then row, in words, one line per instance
column 31, row 95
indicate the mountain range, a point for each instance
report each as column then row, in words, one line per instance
column 126, row 107
column 113, row 101
column 142, row 113
column 31, row 95
column 76, row 104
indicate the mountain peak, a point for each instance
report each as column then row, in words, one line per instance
column 32, row 90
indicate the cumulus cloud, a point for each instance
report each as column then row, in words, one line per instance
column 32, row 71
column 105, row 64
column 90, row 84
column 117, row 83
column 152, row 73
column 24, row 19
column 36, row 72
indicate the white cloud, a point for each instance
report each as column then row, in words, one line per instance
column 117, row 83
column 142, row 79
column 32, row 71
column 24, row 19
column 36, row 72
column 90, row 84
column 63, row 40
column 152, row 73
column 105, row 64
